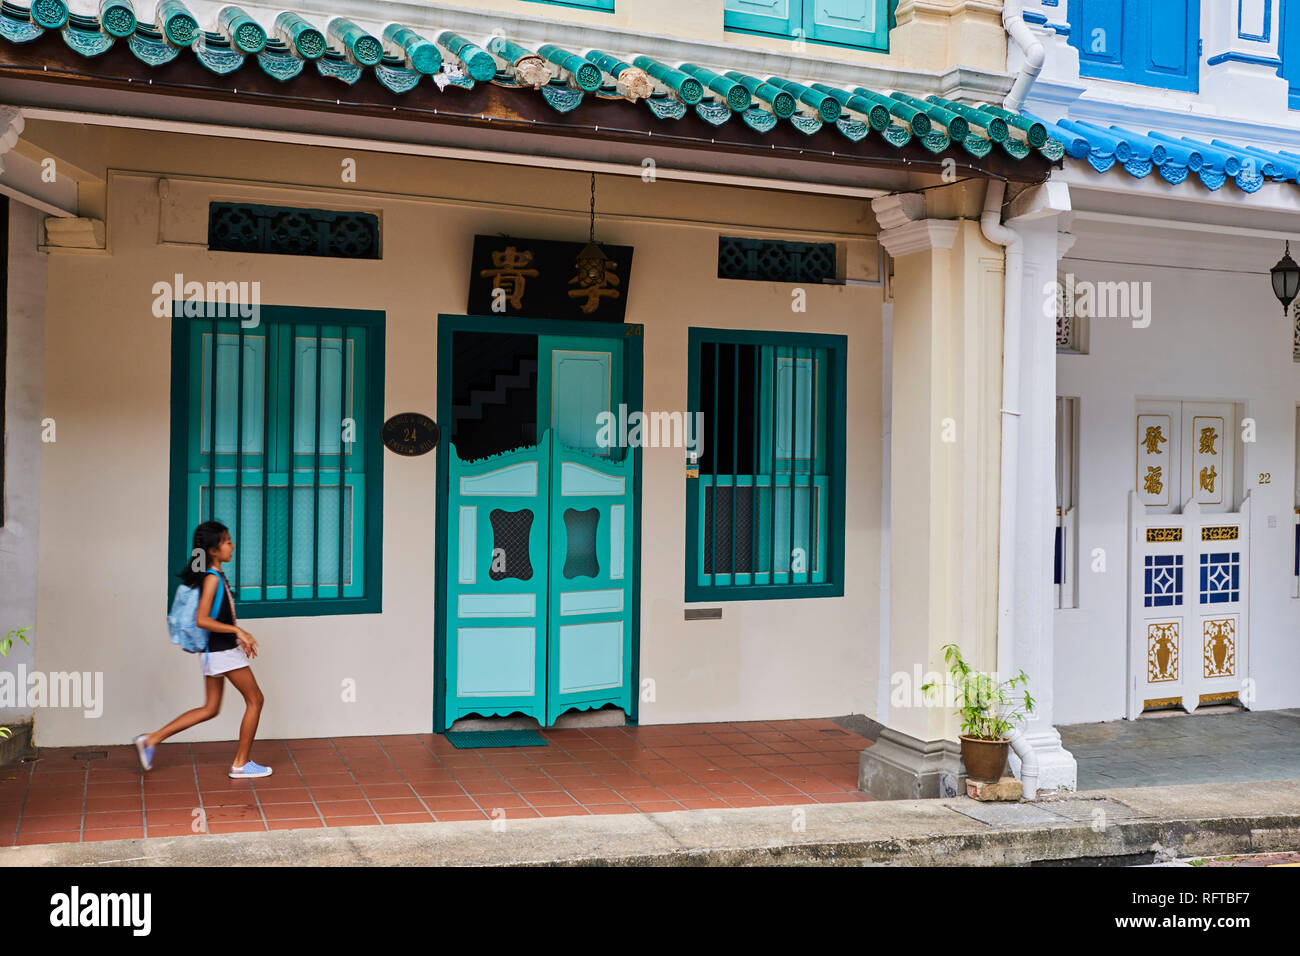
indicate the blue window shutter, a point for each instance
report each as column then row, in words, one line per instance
column 1098, row 33
column 1170, row 32
column 1290, row 51
column 860, row 23
column 1149, row 42
column 762, row 16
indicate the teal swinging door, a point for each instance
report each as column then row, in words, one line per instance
column 538, row 519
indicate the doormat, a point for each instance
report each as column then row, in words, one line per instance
column 474, row 739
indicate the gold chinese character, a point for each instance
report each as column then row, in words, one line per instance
column 510, row 273
column 595, row 279
column 1208, row 437
column 1153, row 485
column 1155, row 436
column 1207, row 479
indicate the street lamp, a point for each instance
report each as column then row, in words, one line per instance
column 1286, row 279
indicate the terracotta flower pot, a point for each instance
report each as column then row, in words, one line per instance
column 984, row 759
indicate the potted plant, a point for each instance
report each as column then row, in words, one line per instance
column 5, row 643
column 988, row 710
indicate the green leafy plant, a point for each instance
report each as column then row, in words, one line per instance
column 988, row 708
column 7, row 642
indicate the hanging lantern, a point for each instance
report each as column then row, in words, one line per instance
column 591, row 260
column 591, row 265
column 1286, row 279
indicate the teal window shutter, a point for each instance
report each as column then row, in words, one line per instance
column 275, row 425
column 766, row 508
column 606, row 6
column 781, row 17
column 857, row 23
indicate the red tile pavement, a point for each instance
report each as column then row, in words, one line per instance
column 420, row 778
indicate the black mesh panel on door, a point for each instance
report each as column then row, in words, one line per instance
column 580, row 532
column 510, row 533
column 743, row 539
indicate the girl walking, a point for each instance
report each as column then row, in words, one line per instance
column 230, row 648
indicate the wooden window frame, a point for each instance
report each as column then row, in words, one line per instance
column 186, row 332
column 833, row 533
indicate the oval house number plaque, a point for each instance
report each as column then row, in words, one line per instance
column 410, row 434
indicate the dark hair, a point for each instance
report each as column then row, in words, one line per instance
column 206, row 537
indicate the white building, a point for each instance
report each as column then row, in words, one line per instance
column 1176, row 412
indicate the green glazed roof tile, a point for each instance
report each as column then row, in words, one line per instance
column 828, row 108
column 419, row 53
column 909, row 114
column 688, row 88
column 781, row 101
column 876, row 114
column 117, row 18
column 586, row 75
column 734, row 94
column 300, row 36
column 994, row 126
column 244, row 33
column 50, row 14
column 399, row 56
column 478, row 61
column 956, row 124
column 365, row 50
column 1035, row 132
column 177, row 25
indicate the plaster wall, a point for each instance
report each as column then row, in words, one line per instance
column 1216, row 334
column 103, row 564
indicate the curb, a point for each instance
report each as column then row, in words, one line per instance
column 909, row 833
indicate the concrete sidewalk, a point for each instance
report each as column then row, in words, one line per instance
column 1130, row 826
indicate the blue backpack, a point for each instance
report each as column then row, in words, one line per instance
column 181, row 621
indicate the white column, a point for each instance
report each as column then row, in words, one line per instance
column 1241, row 57
column 1037, row 216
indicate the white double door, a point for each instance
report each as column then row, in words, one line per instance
column 1189, row 567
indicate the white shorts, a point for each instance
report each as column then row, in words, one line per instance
column 221, row 661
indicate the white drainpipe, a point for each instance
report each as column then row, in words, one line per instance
column 994, row 231
column 1013, row 21
column 1028, row 763
column 991, row 225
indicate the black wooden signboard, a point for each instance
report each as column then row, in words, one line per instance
column 540, row 278
column 410, row 434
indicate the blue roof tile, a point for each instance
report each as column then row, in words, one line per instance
column 1174, row 157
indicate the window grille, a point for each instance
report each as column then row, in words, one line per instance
column 275, row 435
column 772, row 260
column 279, row 230
column 766, row 509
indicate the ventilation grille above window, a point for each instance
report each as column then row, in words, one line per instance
column 285, row 231
column 771, row 260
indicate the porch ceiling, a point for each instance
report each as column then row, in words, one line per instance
column 343, row 74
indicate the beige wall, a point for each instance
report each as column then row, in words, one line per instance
column 103, row 566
